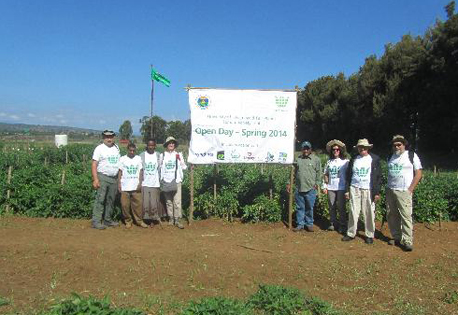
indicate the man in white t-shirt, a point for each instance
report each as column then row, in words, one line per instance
column 104, row 179
column 404, row 174
column 130, row 183
column 150, row 185
column 363, row 190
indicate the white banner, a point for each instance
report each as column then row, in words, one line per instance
column 242, row 126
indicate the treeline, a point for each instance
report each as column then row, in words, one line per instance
column 411, row 90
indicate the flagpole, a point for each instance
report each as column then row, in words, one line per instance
column 152, row 101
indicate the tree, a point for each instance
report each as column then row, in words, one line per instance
column 125, row 131
column 180, row 130
column 159, row 129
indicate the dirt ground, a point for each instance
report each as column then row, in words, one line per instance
column 42, row 260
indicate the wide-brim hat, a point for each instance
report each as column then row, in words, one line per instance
column 364, row 143
column 336, row 142
column 399, row 138
column 170, row 139
column 108, row 133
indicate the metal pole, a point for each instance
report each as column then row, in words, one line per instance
column 191, row 195
column 152, row 102
column 290, row 203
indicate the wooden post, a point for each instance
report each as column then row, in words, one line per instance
column 191, row 195
column 214, row 181
column 66, row 157
column 46, row 161
column 8, row 192
column 290, row 203
column 262, row 169
column 435, row 170
column 62, row 182
column 271, row 184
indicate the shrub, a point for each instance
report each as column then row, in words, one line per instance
column 217, row 306
column 278, row 300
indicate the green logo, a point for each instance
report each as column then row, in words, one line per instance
column 220, row 155
column 113, row 159
column 362, row 172
column 150, row 168
column 170, row 165
column 132, row 170
column 395, row 168
column 334, row 171
column 281, row 101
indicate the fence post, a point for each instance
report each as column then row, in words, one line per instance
column 271, row 183
column 8, row 192
column 62, row 182
column 214, row 181
column 290, row 203
column 191, row 195
column 66, row 157
column 46, row 161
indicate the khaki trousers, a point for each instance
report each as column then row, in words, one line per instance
column 151, row 203
column 399, row 215
column 173, row 203
column 360, row 201
column 131, row 203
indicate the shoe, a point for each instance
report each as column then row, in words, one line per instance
column 128, row 225
column 110, row 223
column 369, row 240
column 98, row 226
column 407, row 248
column 394, row 242
column 143, row 225
column 347, row 238
column 171, row 222
column 342, row 230
column 179, row 225
column 330, row 228
column 298, row 229
column 309, row 228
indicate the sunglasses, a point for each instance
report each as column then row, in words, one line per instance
column 397, row 144
column 336, row 149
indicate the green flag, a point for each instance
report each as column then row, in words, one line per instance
column 156, row 76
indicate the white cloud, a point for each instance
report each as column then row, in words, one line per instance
column 101, row 121
column 31, row 115
column 63, row 121
column 2, row 114
column 59, row 116
column 14, row 117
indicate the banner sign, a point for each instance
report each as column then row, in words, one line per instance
column 242, row 126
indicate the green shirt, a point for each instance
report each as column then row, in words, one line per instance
column 308, row 172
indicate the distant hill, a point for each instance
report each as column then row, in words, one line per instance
column 6, row 128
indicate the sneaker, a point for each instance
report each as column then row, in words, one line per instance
column 128, row 225
column 394, row 242
column 330, row 228
column 309, row 228
column 407, row 248
column 347, row 238
column 298, row 229
column 171, row 222
column 369, row 240
column 143, row 225
column 111, row 223
column 179, row 225
column 98, row 226
column 342, row 230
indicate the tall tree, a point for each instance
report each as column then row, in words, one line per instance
column 125, row 130
column 159, row 128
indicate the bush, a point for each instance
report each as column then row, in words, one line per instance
column 278, row 300
column 217, row 306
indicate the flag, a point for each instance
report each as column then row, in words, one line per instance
column 156, row 76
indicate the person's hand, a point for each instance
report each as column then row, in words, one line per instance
column 410, row 189
column 178, row 157
column 376, row 198
column 347, row 196
column 119, row 187
column 325, row 191
column 96, row 184
column 288, row 188
column 139, row 187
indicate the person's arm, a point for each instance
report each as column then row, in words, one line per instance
column 319, row 173
column 95, row 178
column 416, row 180
column 119, row 180
column 377, row 180
column 181, row 161
column 140, row 180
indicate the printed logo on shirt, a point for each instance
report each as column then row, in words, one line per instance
column 113, row 159
column 131, row 169
column 170, row 165
column 334, row 171
column 395, row 168
column 362, row 172
column 150, row 168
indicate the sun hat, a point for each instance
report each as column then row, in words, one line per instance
column 399, row 138
column 336, row 142
column 363, row 143
column 306, row 144
column 108, row 133
column 170, row 139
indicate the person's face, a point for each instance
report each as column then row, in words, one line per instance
column 398, row 148
column 335, row 151
column 108, row 140
column 151, row 146
column 171, row 146
column 363, row 151
column 306, row 151
column 131, row 152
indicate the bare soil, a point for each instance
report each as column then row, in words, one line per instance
column 42, row 260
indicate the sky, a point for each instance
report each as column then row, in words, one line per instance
column 86, row 64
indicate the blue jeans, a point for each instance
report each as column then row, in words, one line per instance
column 304, row 207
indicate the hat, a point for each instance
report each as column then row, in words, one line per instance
column 306, row 144
column 399, row 138
column 170, row 139
column 108, row 133
column 363, row 143
column 334, row 142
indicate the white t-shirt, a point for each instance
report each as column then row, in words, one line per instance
column 107, row 159
column 130, row 168
column 400, row 171
column 151, row 170
column 361, row 177
column 169, row 160
column 336, row 170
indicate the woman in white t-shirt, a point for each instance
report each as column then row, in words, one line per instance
column 335, row 183
column 172, row 166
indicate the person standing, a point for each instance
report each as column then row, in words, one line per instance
column 308, row 179
column 171, row 171
column 363, row 190
column 404, row 174
column 335, row 183
column 104, row 170
column 150, row 184
column 130, row 183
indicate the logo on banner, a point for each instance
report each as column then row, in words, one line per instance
column 204, row 154
column 235, row 155
column 203, row 101
column 220, row 155
column 249, row 156
column 281, row 101
column 282, row 156
column 269, row 157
